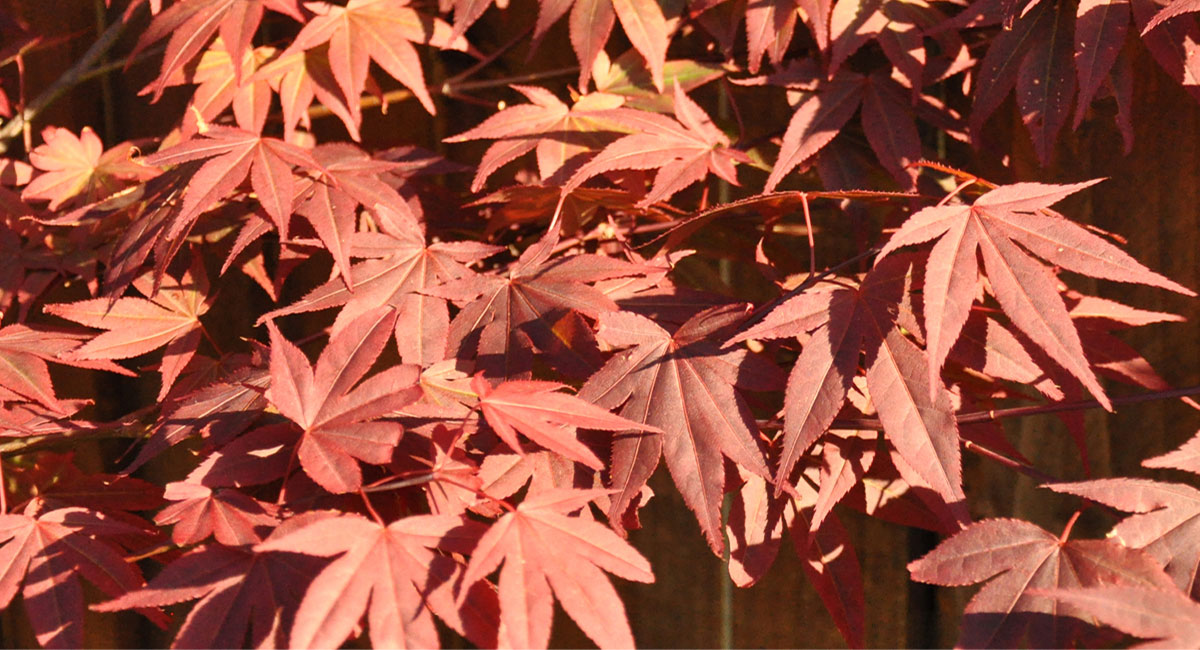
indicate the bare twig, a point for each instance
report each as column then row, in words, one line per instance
column 448, row 88
column 76, row 73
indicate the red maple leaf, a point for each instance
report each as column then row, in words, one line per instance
column 191, row 24
column 23, row 355
column 917, row 415
column 230, row 156
column 220, row 86
column 301, row 77
column 1002, row 225
column 49, row 553
column 684, row 150
column 244, row 596
column 686, row 386
column 507, row 318
column 220, row 410
column 170, row 317
column 234, row 518
column 1166, row 616
column 548, row 554
column 342, row 422
column 1018, row 557
column 392, row 574
column 1186, row 457
column 828, row 104
column 1164, row 522
column 77, row 166
column 546, row 416
column 378, row 30
column 401, row 266
column 557, row 133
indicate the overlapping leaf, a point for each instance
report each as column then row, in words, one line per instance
column 392, row 574
column 401, row 267
column 230, row 155
column 242, row 594
column 505, row 319
column 547, row 555
column 685, row 386
column 546, row 416
column 1165, row 616
column 1002, row 225
column 1017, row 557
column 375, row 30
column 189, row 25
column 170, row 317
column 683, row 151
column 49, row 553
column 342, row 423
column 1164, row 524
column 916, row 412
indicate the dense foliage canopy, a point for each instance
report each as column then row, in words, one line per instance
column 405, row 385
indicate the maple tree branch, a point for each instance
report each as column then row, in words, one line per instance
column 74, row 75
column 447, row 89
column 1028, row 470
column 30, row 444
column 991, row 415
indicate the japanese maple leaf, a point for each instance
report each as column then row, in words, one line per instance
column 151, row 220
column 770, row 25
column 191, row 24
column 1100, row 28
column 899, row 26
column 401, row 266
column 301, row 77
column 549, row 554
column 221, row 87
column 353, row 178
column 1186, row 457
column 342, row 423
column 220, row 410
column 378, row 30
column 546, row 416
column 135, row 326
column 78, row 167
column 1166, row 616
column 1017, row 556
column 1036, row 55
column 230, row 156
column 591, row 22
column 917, row 415
column 392, row 574
column 1164, row 524
column 23, row 355
column 244, row 596
column 827, row 106
column 685, row 386
column 506, row 318
column 199, row 511
column 684, row 150
column 49, row 553
column 557, row 133
column 1002, row 225
column 1170, row 41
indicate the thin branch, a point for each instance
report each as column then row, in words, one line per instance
column 448, row 89
column 976, row 417
column 1028, row 470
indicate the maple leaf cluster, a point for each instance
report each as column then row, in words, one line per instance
column 424, row 407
